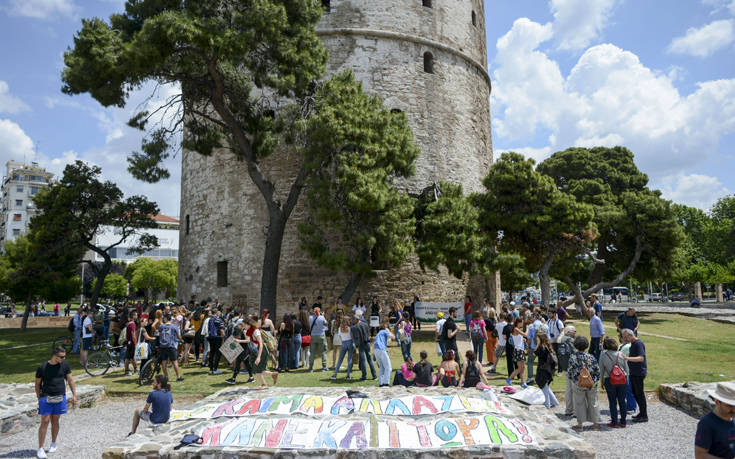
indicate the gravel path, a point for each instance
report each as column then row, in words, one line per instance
column 86, row 432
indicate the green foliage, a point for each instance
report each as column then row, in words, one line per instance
column 513, row 273
column 115, row 286
column 355, row 149
column 153, row 276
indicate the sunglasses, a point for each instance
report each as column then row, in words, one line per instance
column 61, row 357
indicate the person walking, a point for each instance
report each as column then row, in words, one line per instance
column 87, row 337
column 492, row 336
column 584, row 373
column 360, row 333
column 566, row 349
column 467, row 316
column 609, row 359
column 478, row 334
column 157, row 409
column 51, row 379
column 380, row 348
column 597, row 331
column 546, row 368
column 501, row 346
column 403, row 334
column 215, row 336
column 261, row 355
column 318, row 328
column 244, row 358
column 169, row 337
column 517, row 338
column 638, row 370
column 716, row 431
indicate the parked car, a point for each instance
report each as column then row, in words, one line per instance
column 679, row 296
column 5, row 311
column 656, row 297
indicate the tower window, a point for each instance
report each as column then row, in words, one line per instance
column 426, row 3
column 187, row 224
column 327, row 5
column 222, row 274
column 428, row 62
column 474, row 19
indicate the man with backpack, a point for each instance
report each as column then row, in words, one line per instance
column 318, row 328
column 169, row 337
column 51, row 379
column 215, row 336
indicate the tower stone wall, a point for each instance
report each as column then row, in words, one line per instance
column 384, row 43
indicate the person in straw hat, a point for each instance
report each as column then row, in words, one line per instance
column 716, row 431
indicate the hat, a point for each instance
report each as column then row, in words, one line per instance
column 439, row 315
column 512, row 303
column 358, row 313
column 724, row 392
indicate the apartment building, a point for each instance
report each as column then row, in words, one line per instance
column 20, row 183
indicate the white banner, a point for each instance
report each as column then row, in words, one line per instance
column 230, row 349
column 426, row 311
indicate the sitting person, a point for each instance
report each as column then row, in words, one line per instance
column 449, row 370
column 406, row 375
column 160, row 400
column 472, row 373
column 423, row 370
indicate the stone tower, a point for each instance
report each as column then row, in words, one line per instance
column 426, row 58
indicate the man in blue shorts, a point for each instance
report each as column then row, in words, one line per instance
column 157, row 406
column 51, row 379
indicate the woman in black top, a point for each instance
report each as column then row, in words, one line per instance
column 546, row 367
column 472, row 373
column 294, row 361
column 375, row 310
column 423, row 370
column 285, row 343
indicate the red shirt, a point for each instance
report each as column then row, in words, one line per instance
column 130, row 333
column 468, row 308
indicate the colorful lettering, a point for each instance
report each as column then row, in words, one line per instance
column 447, row 402
column 522, row 430
column 292, row 429
column 373, row 431
column 210, row 436
column 343, row 402
column 260, row 432
column 419, row 402
column 225, row 408
column 356, row 431
column 294, row 399
column 370, row 406
column 397, row 403
column 265, row 405
column 314, row 402
column 495, row 427
column 466, row 426
column 240, row 434
column 250, row 407
column 423, row 434
column 393, row 435
column 276, row 433
column 325, row 438
column 445, row 430
column 463, row 400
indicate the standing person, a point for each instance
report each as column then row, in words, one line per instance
column 472, row 373
column 317, row 304
column 262, row 355
column 305, row 338
column 188, row 333
column 449, row 333
column 67, row 309
column 492, row 337
column 566, row 349
column 77, row 321
column 346, row 347
column 638, row 370
column 51, row 379
column 56, row 309
column 555, row 327
column 585, row 398
column 215, row 336
column 440, row 321
column 478, row 334
column 716, row 431
column 596, row 305
column 318, row 328
column 404, row 337
column 375, row 311
column 87, row 336
column 519, row 356
column 360, row 333
column 169, row 336
column 131, row 339
column 467, row 315
column 204, row 333
column 597, row 331
column 631, row 405
column 533, row 325
column 359, row 306
column 546, row 368
column 629, row 320
column 501, row 347
column 509, row 344
column 286, row 343
column 158, row 402
column 415, row 323
column 333, row 336
column 380, row 348
column 561, row 312
column 296, row 343
column 615, row 393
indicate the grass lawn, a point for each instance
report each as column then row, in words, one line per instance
column 707, row 355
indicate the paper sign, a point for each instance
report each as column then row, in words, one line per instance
column 230, row 349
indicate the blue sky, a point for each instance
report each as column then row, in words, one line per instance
column 657, row 76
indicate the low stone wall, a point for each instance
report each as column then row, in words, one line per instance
column 36, row 322
column 236, row 428
column 19, row 405
column 691, row 397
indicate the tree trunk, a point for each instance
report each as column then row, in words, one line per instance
column 718, row 290
column 578, row 298
column 24, row 322
column 697, row 290
column 106, row 266
column 271, row 261
column 351, row 287
column 543, row 276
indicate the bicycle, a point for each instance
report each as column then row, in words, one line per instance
column 99, row 362
column 66, row 342
column 149, row 371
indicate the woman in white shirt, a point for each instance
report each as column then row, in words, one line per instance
column 346, row 347
column 519, row 356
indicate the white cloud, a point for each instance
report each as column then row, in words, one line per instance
column 719, row 5
column 537, row 154
column 706, row 40
column 14, row 143
column 609, row 98
column 694, row 190
column 578, row 22
column 41, row 9
column 8, row 102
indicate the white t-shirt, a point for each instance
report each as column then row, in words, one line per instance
column 356, row 308
column 501, row 337
column 518, row 342
column 345, row 336
column 439, row 325
column 86, row 325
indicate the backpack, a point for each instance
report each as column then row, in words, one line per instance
column 617, row 375
column 268, row 341
column 476, row 333
column 472, row 375
column 122, row 340
column 402, row 334
column 71, row 326
column 585, row 378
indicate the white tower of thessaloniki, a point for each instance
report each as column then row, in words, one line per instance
column 426, row 58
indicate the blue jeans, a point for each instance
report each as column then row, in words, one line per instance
column 616, row 398
column 77, row 341
column 467, row 320
column 297, row 351
column 106, row 333
column 347, row 348
column 549, row 397
column 364, row 352
column 285, row 353
column 406, row 348
column 384, row 368
column 477, row 347
column 630, row 398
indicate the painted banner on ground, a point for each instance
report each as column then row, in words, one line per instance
column 426, row 311
column 301, row 433
column 317, row 405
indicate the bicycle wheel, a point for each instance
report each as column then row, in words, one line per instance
column 63, row 341
column 147, row 372
column 97, row 364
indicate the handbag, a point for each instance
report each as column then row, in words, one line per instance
column 617, row 375
column 585, row 379
column 141, row 349
column 54, row 399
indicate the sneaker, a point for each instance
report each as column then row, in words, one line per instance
column 640, row 419
column 52, row 448
column 179, row 379
column 230, row 381
column 217, row 372
column 128, row 373
column 251, row 379
column 621, row 425
column 348, row 378
column 508, row 382
column 324, row 370
column 41, row 453
column 524, row 385
column 333, row 378
column 211, row 372
column 612, row 425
